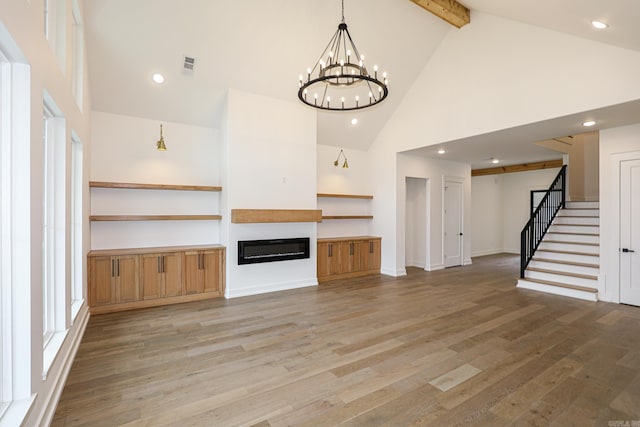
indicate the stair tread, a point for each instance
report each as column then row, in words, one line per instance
column 573, row 234
column 579, row 216
column 575, row 225
column 571, row 243
column 555, row 261
column 556, row 251
column 562, row 285
column 563, row 273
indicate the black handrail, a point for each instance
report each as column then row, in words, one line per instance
column 541, row 219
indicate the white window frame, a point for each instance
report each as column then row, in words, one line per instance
column 54, row 251
column 77, row 44
column 15, row 233
column 77, row 255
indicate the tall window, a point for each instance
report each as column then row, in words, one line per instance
column 15, row 238
column 77, row 43
column 48, row 264
column 54, row 29
column 54, row 291
column 77, row 256
column 4, row 211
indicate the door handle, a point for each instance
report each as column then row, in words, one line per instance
column 460, row 234
column 626, row 250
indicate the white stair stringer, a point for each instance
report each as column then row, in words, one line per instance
column 567, row 260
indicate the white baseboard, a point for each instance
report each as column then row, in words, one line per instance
column 488, row 252
column 435, row 267
column 393, row 273
column 58, row 377
column 270, row 287
column 467, row 261
column 416, row 264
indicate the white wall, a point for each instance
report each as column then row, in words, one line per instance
column 21, row 29
column 487, row 215
column 125, row 151
column 516, row 201
column 500, row 208
column 270, row 147
column 435, row 171
column 337, row 180
column 519, row 74
column 615, row 145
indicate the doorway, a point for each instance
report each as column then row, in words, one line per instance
column 416, row 223
column 452, row 222
column 630, row 232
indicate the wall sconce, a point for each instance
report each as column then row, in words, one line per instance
column 160, row 143
column 345, row 164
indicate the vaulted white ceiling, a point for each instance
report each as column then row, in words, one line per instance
column 262, row 47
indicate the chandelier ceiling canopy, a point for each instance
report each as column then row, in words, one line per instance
column 339, row 80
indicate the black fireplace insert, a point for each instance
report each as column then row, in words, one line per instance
column 257, row 251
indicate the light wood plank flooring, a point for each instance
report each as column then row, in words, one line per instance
column 460, row 346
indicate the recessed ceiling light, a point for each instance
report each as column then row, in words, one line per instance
column 495, row 161
column 354, row 121
column 441, row 151
column 589, row 123
column 599, row 25
column 158, row 78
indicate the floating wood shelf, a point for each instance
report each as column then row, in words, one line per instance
column 254, row 216
column 155, row 217
column 136, row 186
column 347, row 217
column 346, row 196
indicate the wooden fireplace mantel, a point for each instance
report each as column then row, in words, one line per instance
column 255, row 216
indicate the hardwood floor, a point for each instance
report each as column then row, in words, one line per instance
column 453, row 347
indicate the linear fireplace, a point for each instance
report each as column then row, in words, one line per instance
column 256, row 251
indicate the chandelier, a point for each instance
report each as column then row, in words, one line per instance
column 339, row 80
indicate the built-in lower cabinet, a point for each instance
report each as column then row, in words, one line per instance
column 344, row 257
column 127, row 279
column 113, row 279
column 204, row 272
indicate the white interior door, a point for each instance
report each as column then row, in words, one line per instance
column 452, row 223
column 630, row 232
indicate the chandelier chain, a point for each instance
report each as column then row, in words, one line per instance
column 342, row 10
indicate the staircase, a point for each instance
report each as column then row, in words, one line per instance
column 567, row 260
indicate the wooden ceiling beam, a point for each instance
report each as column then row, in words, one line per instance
column 518, row 168
column 451, row 11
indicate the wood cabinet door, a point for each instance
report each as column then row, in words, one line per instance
column 324, row 259
column 193, row 273
column 329, row 262
column 375, row 255
column 128, row 278
column 102, row 281
column 171, row 274
column 350, row 257
column 213, row 265
column 151, row 276
column 370, row 254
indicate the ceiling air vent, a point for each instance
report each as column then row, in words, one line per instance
column 189, row 63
